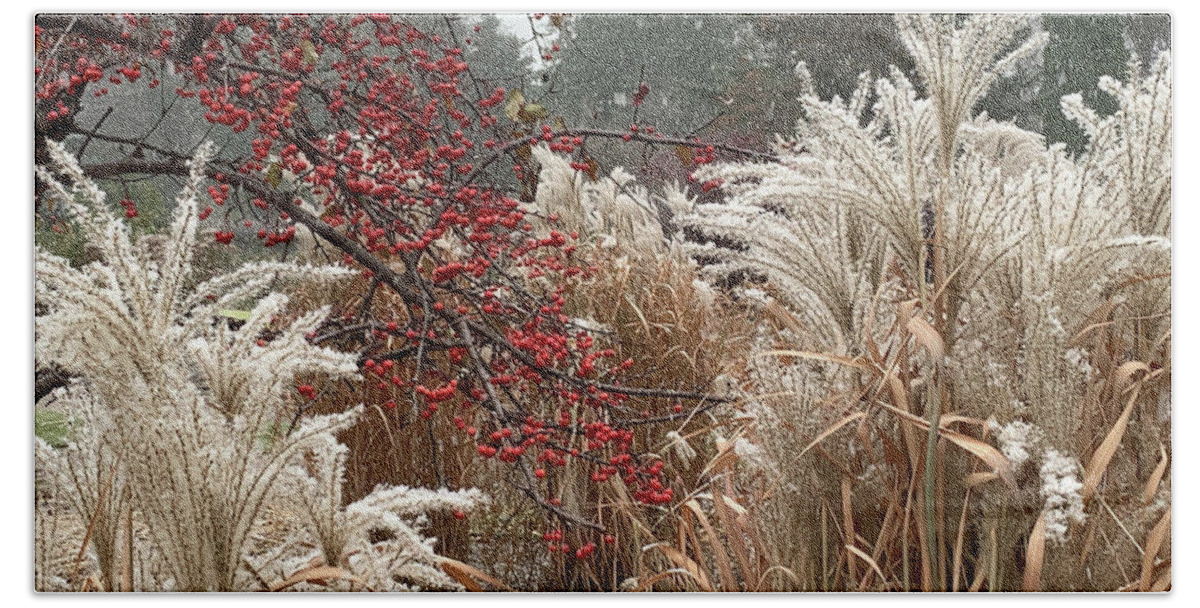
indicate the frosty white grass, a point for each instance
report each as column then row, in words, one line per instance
column 171, row 414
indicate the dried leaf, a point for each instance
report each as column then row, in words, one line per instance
column 831, row 430
column 1035, row 554
column 980, row 449
column 274, row 175
column 316, row 574
column 1154, row 542
column 467, row 575
column 1156, row 476
column 310, row 52
column 686, row 563
column 1104, row 453
column 531, row 112
column 512, row 107
column 685, row 154
column 927, row 336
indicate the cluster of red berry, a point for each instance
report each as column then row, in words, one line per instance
column 369, row 116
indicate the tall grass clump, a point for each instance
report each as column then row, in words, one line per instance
column 642, row 291
column 972, row 321
column 179, row 448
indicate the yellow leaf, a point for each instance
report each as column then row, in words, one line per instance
column 512, row 108
column 274, row 175
column 310, row 52
column 532, row 112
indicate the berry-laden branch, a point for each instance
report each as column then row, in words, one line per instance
column 358, row 129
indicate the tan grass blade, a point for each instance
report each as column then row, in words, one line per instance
column 686, row 533
column 1035, row 553
column 899, row 393
column 948, row 419
column 127, row 554
column 724, row 566
column 725, row 457
column 956, row 564
column 977, row 584
column 1123, row 375
column 1103, row 454
column 1163, row 583
column 982, row 477
column 831, row 430
column 1094, row 321
column 734, row 529
column 632, row 304
column 1088, row 541
column 870, row 562
column 468, row 575
column 91, row 527
column 316, row 574
column 686, row 563
column 1156, row 476
column 848, row 526
column 650, row 580
column 927, row 336
column 786, row 571
column 980, row 449
column 1154, row 542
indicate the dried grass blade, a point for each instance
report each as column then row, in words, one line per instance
column 1035, row 553
column 1156, row 476
column 1088, row 542
column 982, row 477
column 315, row 574
column 787, row 571
column 91, row 527
column 980, row 449
column 1123, row 375
column 956, row 566
column 725, row 457
column 638, row 311
column 927, row 336
column 127, row 554
column 1094, row 321
column 649, row 582
column 848, row 526
column 724, row 566
column 734, row 530
column 870, row 562
column 980, row 574
column 831, row 430
column 1154, row 542
column 686, row 563
column 1162, row 584
column 463, row 572
column 1103, row 454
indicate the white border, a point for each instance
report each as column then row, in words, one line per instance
column 17, row 281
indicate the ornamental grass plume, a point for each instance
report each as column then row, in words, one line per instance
column 940, row 261
column 173, row 408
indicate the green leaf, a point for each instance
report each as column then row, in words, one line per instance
column 51, row 427
column 240, row 315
